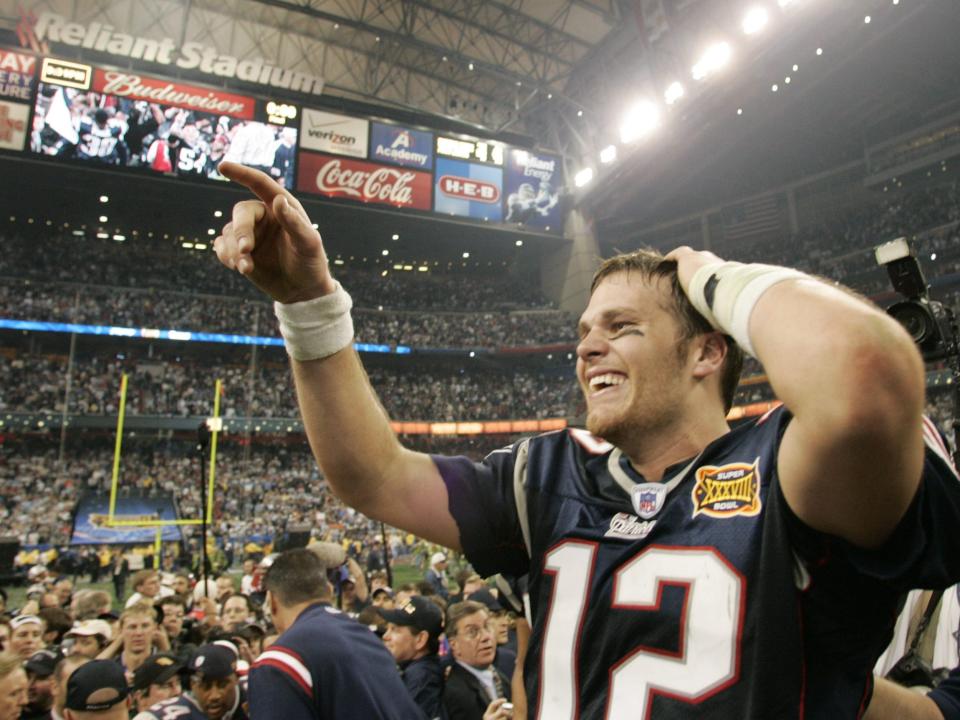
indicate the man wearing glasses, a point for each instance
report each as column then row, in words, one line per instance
column 475, row 689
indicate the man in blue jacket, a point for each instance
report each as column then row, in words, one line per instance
column 324, row 665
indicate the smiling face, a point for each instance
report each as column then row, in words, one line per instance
column 631, row 362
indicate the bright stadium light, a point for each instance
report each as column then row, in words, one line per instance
column 673, row 93
column 583, row 177
column 713, row 59
column 640, row 120
column 755, row 20
column 608, row 154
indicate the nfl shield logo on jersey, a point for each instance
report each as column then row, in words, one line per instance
column 648, row 499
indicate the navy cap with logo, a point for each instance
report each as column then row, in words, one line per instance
column 156, row 670
column 418, row 613
column 42, row 663
column 214, row 661
column 96, row 685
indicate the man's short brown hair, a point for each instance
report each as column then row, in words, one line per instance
column 458, row 611
column 653, row 266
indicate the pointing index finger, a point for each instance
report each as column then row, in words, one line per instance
column 259, row 183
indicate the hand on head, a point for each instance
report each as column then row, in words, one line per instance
column 272, row 241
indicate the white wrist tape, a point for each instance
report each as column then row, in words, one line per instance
column 314, row 329
column 726, row 293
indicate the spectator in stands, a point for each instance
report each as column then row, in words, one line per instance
column 97, row 690
column 26, row 635
column 225, row 588
column 436, row 575
column 146, row 586
column 61, row 675
column 215, row 693
column 156, row 680
column 90, row 637
column 13, row 686
column 57, row 622
column 413, row 638
column 474, row 684
column 318, row 642
column 246, row 580
column 40, row 668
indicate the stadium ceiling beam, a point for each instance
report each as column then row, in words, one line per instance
column 403, row 62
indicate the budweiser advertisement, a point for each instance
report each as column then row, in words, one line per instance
column 13, row 125
column 339, row 177
column 18, row 72
column 160, row 127
column 532, row 185
column 468, row 189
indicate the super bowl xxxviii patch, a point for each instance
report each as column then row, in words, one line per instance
column 727, row 490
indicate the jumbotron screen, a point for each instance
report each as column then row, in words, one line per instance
column 126, row 129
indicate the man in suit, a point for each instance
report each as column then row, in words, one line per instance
column 475, row 689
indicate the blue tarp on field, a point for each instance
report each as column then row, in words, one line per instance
column 90, row 525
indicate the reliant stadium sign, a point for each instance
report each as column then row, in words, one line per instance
column 192, row 56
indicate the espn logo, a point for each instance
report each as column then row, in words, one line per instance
column 468, row 189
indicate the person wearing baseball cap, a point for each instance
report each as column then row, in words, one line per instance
column 214, row 694
column 413, row 638
column 97, row 691
column 40, row 667
column 156, row 680
column 89, row 637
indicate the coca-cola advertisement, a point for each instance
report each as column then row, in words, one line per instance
column 341, row 177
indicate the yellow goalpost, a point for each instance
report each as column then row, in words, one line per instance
column 214, row 423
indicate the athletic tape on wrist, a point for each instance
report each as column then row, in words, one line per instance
column 737, row 288
column 315, row 329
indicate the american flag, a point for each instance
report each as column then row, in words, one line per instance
column 761, row 216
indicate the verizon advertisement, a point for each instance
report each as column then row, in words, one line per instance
column 17, row 73
column 130, row 120
column 339, row 177
column 13, row 125
column 332, row 133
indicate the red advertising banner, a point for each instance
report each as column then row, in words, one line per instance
column 342, row 177
column 17, row 71
column 139, row 87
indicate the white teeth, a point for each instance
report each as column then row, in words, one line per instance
column 607, row 379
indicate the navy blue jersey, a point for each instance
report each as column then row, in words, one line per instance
column 328, row 667
column 185, row 707
column 702, row 596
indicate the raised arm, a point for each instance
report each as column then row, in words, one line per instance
column 851, row 458
column 272, row 242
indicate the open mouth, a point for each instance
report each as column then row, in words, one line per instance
column 605, row 382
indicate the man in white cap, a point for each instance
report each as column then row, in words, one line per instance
column 90, row 637
column 436, row 575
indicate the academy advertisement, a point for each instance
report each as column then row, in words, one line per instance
column 468, row 190
column 13, row 125
column 92, row 522
column 333, row 133
column 532, row 188
column 339, row 177
column 401, row 146
column 17, row 74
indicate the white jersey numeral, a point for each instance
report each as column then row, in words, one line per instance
column 708, row 654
